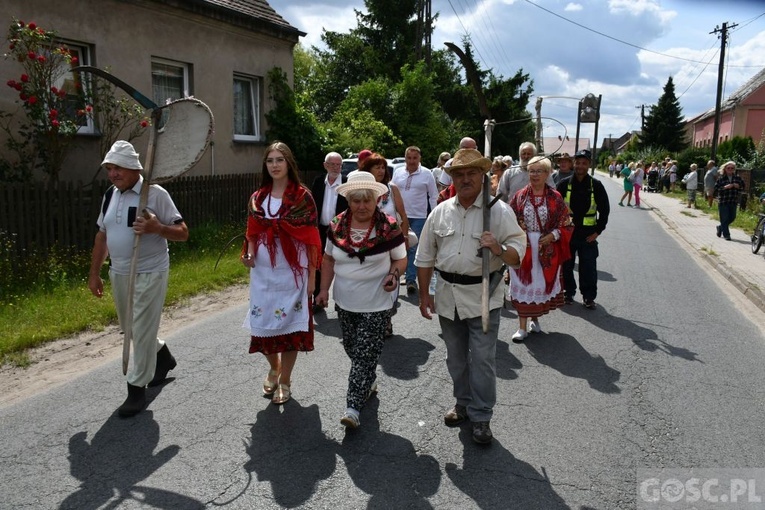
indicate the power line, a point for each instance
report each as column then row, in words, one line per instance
column 467, row 34
column 621, row 41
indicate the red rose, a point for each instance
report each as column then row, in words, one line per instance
column 53, row 113
column 41, row 31
column 23, row 96
column 12, row 46
column 32, row 99
column 54, row 90
column 75, row 60
column 32, row 26
column 32, row 55
column 11, row 83
column 41, row 59
column 144, row 123
column 21, row 24
column 18, row 86
column 61, row 93
column 88, row 108
column 24, row 78
column 54, row 123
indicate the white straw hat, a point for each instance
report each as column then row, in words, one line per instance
column 360, row 180
column 123, row 155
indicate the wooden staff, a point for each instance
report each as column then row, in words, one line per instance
column 485, row 257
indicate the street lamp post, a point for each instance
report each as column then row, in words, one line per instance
column 589, row 113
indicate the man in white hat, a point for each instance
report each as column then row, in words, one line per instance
column 451, row 240
column 118, row 224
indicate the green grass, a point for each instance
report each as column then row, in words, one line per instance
column 745, row 220
column 47, row 299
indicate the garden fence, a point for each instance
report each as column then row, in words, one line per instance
column 35, row 217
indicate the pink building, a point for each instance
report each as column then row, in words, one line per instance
column 741, row 114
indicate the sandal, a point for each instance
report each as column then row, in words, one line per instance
column 271, row 382
column 282, row 394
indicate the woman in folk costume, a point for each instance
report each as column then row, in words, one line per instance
column 536, row 286
column 283, row 252
column 364, row 256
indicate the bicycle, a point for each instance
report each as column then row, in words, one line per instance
column 759, row 234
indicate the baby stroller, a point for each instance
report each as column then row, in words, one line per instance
column 652, row 181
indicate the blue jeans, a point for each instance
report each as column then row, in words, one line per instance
column 470, row 359
column 588, row 269
column 416, row 225
column 727, row 216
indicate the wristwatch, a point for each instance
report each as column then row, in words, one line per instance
column 502, row 250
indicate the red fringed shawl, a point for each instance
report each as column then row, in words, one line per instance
column 388, row 235
column 296, row 223
column 555, row 253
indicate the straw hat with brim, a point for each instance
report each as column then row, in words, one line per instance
column 468, row 158
column 359, row 180
column 565, row 155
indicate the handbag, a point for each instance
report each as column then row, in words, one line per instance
column 631, row 178
column 410, row 236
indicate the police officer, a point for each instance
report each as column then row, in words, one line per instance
column 588, row 204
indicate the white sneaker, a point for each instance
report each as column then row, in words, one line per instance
column 520, row 336
column 350, row 419
column 534, row 327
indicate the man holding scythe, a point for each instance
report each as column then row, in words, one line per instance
column 118, row 224
column 452, row 241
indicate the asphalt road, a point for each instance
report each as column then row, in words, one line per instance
column 667, row 372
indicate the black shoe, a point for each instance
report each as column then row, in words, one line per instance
column 568, row 300
column 727, row 238
column 165, row 363
column 455, row 415
column 411, row 288
column 482, row 432
column 719, row 231
column 135, row 402
column 589, row 304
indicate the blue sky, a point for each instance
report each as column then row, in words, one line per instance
column 555, row 41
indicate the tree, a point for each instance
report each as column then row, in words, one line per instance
column 416, row 115
column 361, row 120
column 506, row 99
column 664, row 123
column 292, row 124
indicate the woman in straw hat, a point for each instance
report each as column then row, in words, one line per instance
column 283, row 252
column 392, row 204
column 536, row 286
column 365, row 256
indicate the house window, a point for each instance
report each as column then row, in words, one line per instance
column 246, row 108
column 72, row 84
column 169, row 80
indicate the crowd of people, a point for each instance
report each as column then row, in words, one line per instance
column 358, row 237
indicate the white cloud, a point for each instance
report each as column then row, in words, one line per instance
column 564, row 59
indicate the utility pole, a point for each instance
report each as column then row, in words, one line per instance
column 424, row 22
column 720, row 68
column 642, row 117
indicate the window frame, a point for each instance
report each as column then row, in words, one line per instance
column 255, row 88
column 84, row 57
column 186, row 71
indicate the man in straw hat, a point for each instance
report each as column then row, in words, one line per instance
column 118, row 224
column 565, row 167
column 451, row 241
